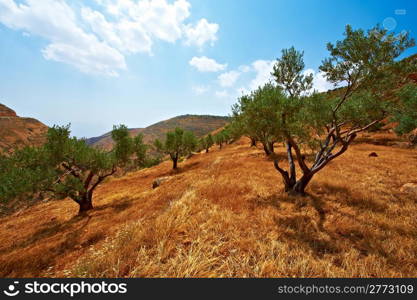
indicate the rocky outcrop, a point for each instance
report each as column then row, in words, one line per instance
column 412, row 137
column 17, row 132
column 157, row 182
column 409, row 188
column 7, row 112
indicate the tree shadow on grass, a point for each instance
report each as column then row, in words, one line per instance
column 305, row 231
column 345, row 196
column 312, row 233
column 298, row 202
column 117, row 205
column 67, row 235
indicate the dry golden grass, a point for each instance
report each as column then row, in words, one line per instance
column 224, row 215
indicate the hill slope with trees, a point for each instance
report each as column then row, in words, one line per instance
column 202, row 221
column 200, row 125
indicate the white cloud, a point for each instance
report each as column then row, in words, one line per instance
column 200, row 90
column 97, row 41
column 205, row 64
column 69, row 43
column 257, row 74
column 263, row 69
column 158, row 18
column 228, row 79
column 202, row 33
column 127, row 36
column 320, row 83
column 96, row 59
column 162, row 20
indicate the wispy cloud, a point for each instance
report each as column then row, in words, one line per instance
column 200, row 34
column 205, row 64
column 262, row 69
column 320, row 83
column 98, row 40
column 228, row 79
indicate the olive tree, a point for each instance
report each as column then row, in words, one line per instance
column 65, row 166
column 123, row 147
column 128, row 151
column 24, row 173
column 258, row 112
column 206, row 142
column 220, row 139
column 239, row 125
column 177, row 143
column 288, row 73
column 139, row 149
column 234, row 130
column 78, row 169
column 364, row 62
column 405, row 112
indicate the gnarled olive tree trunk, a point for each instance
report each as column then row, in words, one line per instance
column 91, row 182
column 85, row 203
column 295, row 186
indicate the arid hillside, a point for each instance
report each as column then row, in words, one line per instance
column 199, row 125
column 16, row 132
column 223, row 214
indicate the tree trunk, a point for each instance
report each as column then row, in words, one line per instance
column 252, row 142
column 207, row 150
column 298, row 189
column 292, row 178
column 271, row 147
column 175, row 163
column 86, row 203
column 266, row 149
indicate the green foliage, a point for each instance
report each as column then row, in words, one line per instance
column 177, row 143
column 288, row 73
column 365, row 64
column 363, row 59
column 78, row 168
column 139, row 149
column 126, row 148
column 259, row 114
column 206, row 142
column 23, row 173
column 219, row 139
column 405, row 112
column 65, row 166
column 209, row 141
column 123, row 147
column 234, row 130
column 223, row 137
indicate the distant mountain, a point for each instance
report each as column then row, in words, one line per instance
column 200, row 125
column 17, row 132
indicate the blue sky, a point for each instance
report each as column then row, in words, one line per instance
column 95, row 63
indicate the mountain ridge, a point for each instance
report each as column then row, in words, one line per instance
column 200, row 125
column 17, row 132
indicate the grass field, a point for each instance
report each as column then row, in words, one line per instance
column 223, row 214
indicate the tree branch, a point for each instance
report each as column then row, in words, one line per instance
column 283, row 173
column 101, row 178
column 293, row 175
column 299, row 156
